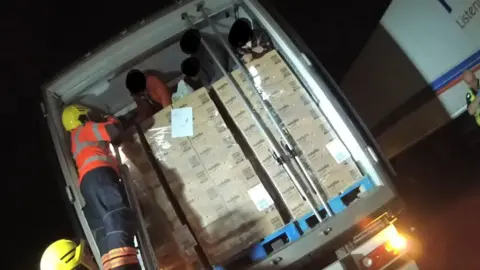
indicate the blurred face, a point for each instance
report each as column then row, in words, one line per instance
column 471, row 80
column 141, row 94
column 96, row 115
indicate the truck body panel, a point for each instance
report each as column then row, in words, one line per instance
column 98, row 81
column 411, row 70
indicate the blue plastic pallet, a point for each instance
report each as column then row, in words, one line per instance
column 336, row 203
column 289, row 233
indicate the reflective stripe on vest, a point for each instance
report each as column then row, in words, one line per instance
column 80, row 146
column 95, row 158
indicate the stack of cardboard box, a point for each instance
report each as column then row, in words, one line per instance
column 215, row 184
column 150, row 197
column 329, row 161
column 254, row 137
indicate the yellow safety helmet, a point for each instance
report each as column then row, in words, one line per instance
column 66, row 255
column 71, row 116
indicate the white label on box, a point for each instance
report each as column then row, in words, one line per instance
column 184, row 238
column 338, row 150
column 260, row 197
column 182, row 122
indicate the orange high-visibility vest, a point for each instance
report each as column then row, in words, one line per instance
column 91, row 147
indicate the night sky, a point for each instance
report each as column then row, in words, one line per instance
column 41, row 38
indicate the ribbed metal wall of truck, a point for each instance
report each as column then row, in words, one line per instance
column 352, row 222
column 410, row 70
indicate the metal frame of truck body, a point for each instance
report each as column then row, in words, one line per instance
column 120, row 53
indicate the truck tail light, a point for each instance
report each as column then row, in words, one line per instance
column 394, row 245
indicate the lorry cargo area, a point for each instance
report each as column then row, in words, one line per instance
column 261, row 166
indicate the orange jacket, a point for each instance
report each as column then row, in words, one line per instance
column 158, row 97
column 91, row 146
column 158, row 91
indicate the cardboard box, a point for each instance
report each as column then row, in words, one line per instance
column 221, row 244
column 223, row 203
column 269, row 61
column 255, row 138
column 302, row 119
column 333, row 176
column 310, row 140
column 205, row 113
column 243, row 177
column 336, row 181
column 297, row 205
column 273, row 79
column 194, row 100
column 262, row 228
column 162, row 118
column 297, row 127
column 215, row 183
column 295, row 105
column 214, row 140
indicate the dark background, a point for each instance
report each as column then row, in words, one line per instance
column 40, row 39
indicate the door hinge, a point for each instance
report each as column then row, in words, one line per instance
column 306, row 60
column 44, row 110
column 70, row 195
column 372, row 154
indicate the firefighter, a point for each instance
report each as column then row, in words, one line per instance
column 67, row 255
column 473, row 94
column 106, row 207
column 148, row 91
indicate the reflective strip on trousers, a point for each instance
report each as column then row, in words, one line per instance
column 123, row 251
column 120, row 261
column 119, row 257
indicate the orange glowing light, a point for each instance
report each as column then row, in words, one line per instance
column 396, row 243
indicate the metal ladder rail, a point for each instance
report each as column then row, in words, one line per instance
column 146, row 248
column 288, row 144
column 275, row 147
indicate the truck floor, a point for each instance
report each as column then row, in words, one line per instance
column 439, row 180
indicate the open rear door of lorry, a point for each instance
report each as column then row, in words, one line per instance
column 334, row 185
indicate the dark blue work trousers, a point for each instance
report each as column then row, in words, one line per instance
column 107, row 211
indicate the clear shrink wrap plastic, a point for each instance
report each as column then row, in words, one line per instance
column 157, row 211
column 329, row 161
column 215, row 184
